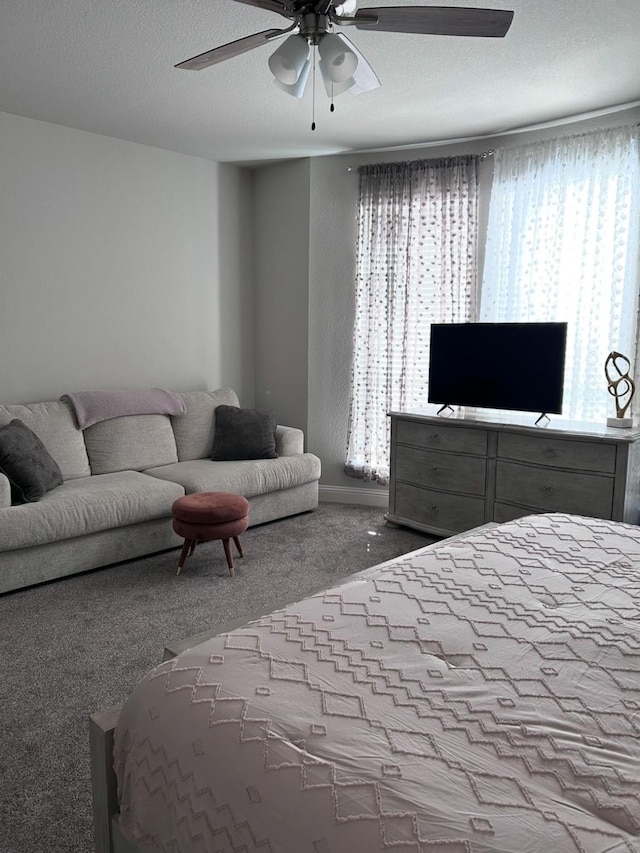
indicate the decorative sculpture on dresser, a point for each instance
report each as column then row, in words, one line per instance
column 621, row 386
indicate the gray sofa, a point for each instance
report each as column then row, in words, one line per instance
column 121, row 477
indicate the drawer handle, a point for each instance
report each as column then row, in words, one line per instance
column 433, row 508
column 549, row 451
column 435, row 470
column 435, row 438
column 548, row 490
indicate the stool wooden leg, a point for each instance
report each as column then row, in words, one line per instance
column 236, row 539
column 227, row 553
column 187, row 550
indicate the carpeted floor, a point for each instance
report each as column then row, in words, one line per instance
column 79, row 644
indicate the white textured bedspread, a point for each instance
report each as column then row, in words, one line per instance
column 480, row 695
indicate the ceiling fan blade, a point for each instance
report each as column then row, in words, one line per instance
column 232, row 48
column 278, row 6
column 436, row 20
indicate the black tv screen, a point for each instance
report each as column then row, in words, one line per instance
column 515, row 366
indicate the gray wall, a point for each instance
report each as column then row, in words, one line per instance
column 281, row 256
column 331, row 224
column 122, row 266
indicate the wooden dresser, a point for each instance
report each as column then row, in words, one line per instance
column 449, row 474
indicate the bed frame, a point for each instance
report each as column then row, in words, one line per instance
column 102, row 724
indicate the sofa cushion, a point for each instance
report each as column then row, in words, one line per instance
column 5, row 491
column 55, row 425
column 248, row 478
column 130, row 443
column 87, row 505
column 289, row 440
column 30, row 468
column 244, row 434
column 194, row 430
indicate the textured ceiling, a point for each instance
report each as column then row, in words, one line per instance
column 106, row 66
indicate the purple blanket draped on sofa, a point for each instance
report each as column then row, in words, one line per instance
column 91, row 407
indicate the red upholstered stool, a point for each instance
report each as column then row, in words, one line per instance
column 206, row 516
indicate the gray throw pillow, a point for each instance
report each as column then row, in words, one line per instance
column 244, row 434
column 24, row 459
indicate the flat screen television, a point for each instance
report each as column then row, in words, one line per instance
column 514, row 366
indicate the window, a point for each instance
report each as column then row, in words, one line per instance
column 562, row 244
column 415, row 265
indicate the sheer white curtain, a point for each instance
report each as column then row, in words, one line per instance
column 415, row 265
column 562, row 244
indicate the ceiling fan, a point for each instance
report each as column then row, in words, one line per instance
column 342, row 66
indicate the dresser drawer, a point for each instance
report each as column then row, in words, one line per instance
column 507, row 512
column 439, row 510
column 446, row 471
column 554, row 491
column 441, row 437
column 557, row 452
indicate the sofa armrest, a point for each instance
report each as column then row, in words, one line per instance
column 5, row 491
column 289, row 441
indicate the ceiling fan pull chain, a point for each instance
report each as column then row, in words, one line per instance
column 313, row 94
column 333, row 106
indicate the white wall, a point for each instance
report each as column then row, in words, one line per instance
column 117, row 268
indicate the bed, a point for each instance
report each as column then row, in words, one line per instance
column 480, row 695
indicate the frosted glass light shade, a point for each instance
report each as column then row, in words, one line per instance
column 288, row 61
column 296, row 89
column 340, row 62
column 334, row 89
column 365, row 77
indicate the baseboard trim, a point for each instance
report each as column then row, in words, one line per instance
column 353, row 495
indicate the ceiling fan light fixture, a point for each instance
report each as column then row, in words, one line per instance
column 296, row 89
column 342, row 66
column 349, row 7
column 334, row 89
column 339, row 61
column 288, row 61
column 365, row 78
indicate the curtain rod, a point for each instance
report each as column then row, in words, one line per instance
column 483, row 156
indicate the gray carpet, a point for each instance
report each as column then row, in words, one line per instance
column 75, row 645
